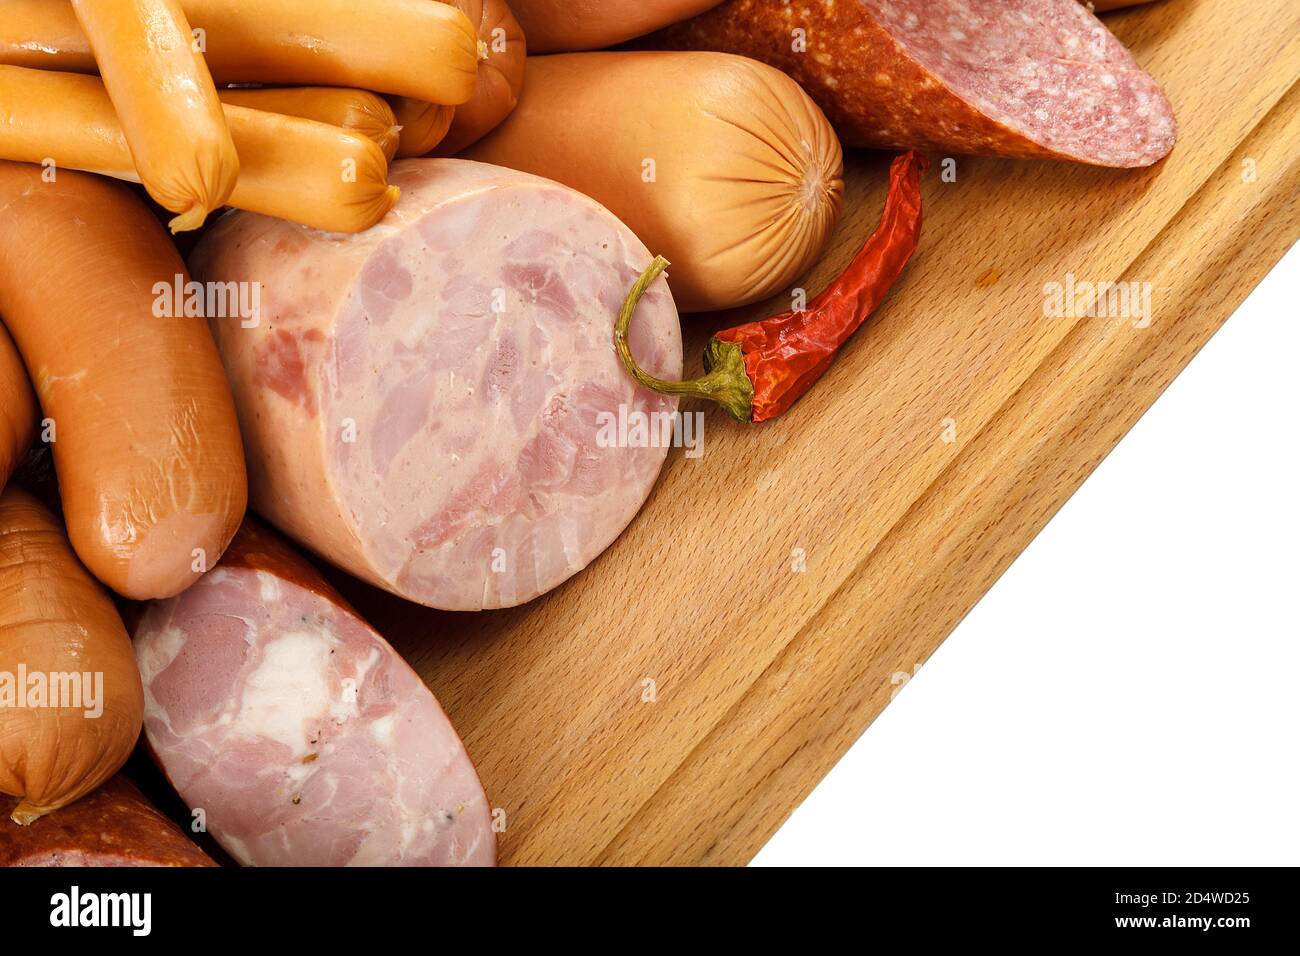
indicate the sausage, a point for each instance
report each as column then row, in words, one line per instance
column 146, row 446
column 445, row 131
column 565, row 26
column 500, row 75
column 44, row 35
column 1028, row 79
column 308, row 172
column 424, row 125
column 301, row 734
column 166, row 103
column 720, row 164
column 17, row 408
column 358, row 111
column 294, row 168
column 408, row 47
column 481, row 306
column 113, row 825
column 59, row 631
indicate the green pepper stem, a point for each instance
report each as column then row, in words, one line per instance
column 726, row 382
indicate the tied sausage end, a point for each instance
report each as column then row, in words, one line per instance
column 27, row 813
column 189, row 220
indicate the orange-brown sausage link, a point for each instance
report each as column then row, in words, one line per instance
column 54, row 619
column 44, row 35
column 308, row 172
column 564, row 26
column 17, row 408
column 292, row 168
column 423, row 125
column 359, row 111
column 146, row 445
column 166, row 102
column 500, row 75
column 407, row 47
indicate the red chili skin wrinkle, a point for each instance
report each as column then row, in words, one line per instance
column 786, row 354
column 758, row 370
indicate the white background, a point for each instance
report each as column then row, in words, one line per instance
column 1129, row 692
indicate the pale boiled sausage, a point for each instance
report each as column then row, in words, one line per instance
column 296, row 730
column 421, row 403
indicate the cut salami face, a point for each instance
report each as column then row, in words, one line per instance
column 1034, row 79
column 422, row 404
column 111, row 826
column 298, row 731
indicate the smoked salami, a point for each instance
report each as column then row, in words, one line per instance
column 1033, row 79
column 111, row 826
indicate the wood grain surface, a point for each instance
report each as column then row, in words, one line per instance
column 771, row 590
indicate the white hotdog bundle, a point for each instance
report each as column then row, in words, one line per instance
column 415, row 396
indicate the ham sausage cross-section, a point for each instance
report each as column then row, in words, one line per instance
column 301, row 735
column 422, row 403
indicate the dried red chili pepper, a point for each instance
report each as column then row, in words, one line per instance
column 756, row 371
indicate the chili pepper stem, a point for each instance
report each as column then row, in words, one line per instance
column 726, row 381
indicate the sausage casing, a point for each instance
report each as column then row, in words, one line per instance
column 143, row 430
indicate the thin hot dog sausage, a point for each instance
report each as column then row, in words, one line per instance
column 112, row 825
column 59, row 627
column 166, row 102
column 17, row 408
column 312, row 743
column 502, row 51
column 310, row 173
column 44, row 35
column 146, row 447
column 358, row 111
column 564, row 26
column 424, row 125
column 293, row 168
column 408, row 47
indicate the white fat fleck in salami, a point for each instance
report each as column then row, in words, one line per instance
column 301, row 735
column 421, row 404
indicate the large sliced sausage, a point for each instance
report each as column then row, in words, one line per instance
column 1034, row 79
column 719, row 163
column 111, row 826
column 145, row 441
column 421, row 403
column 563, row 26
column 17, row 408
column 300, row 734
column 409, row 47
column 70, row 696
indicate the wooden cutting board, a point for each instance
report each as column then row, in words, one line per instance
column 675, row 701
